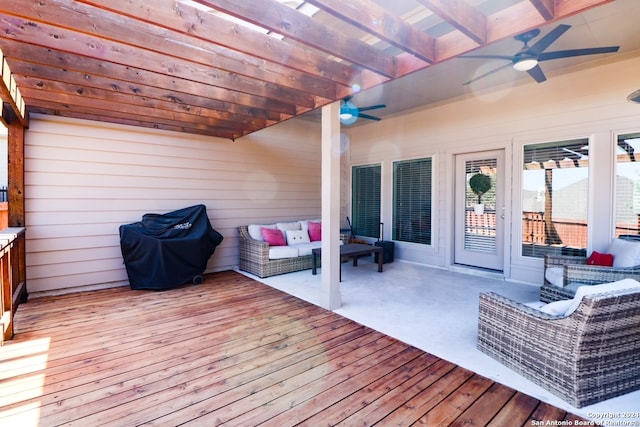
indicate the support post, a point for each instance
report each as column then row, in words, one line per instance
column 331, row 206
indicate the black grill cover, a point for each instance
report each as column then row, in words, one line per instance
column 168, row 250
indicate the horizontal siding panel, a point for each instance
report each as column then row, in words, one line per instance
column 81, row 188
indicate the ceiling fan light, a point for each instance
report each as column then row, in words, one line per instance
column 348, row 113
column 525, row 64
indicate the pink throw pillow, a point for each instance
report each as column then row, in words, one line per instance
column 315, row 231
column 273, row 236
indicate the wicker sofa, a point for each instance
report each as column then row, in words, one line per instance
column 585, row 357
column 254, row 257
column 573, row 271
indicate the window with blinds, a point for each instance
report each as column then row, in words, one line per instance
column 555, row 181
column 627, row 184
column 412, row 198
column 365, row 200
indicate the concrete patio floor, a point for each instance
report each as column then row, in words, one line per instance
column 436, row 310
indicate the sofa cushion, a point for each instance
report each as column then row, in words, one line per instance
column 626, row 253
column 554, row 275
column 305, row 248
column 284, row 226
column 279, row 252
column 315, row 231
column 255, row 230
column 297, row 236
column 304, row 224
column 273, row 237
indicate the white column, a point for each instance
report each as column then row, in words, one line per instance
column 331, row 206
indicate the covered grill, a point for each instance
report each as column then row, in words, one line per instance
column 167, row 250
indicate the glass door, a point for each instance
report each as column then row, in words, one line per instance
column 479, row 210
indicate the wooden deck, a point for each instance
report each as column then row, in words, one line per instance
column 236, row 352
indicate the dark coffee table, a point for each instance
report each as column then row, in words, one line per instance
column 350, row 250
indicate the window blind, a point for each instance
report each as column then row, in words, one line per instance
column 366, row 200
column 412, row 188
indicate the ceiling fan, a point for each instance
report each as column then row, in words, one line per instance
column 349, row 112
column 529, row 57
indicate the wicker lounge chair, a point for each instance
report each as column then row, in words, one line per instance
column 586, row 357
column 576, row 273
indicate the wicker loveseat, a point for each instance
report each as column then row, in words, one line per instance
column 255, row 258
column 569, row 272
column 585, row 357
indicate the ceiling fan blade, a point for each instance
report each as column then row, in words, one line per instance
column 495, row 70
column 366, row 116
column 546, row 41
column 508, row 58
column 372, row 107
column 576, row 52
column 537, row 74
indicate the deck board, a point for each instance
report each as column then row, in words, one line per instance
column 231, row 351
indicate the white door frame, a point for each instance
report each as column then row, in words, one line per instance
column 493, row 259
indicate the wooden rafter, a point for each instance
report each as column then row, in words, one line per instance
column 175, row 65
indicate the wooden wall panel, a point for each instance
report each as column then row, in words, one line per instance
column 84, row 179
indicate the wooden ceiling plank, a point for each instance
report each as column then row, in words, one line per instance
column 181, row 100
column 566, row 8
column 546, row 8
column 135, row 80
column 523, row 16
column 281, row 19
column 64, row 90
column 381, row 23
column 178, row 89
column 464, row 17
column 180, row 17
column 100, row 105
column 59, row 38
column 57, row 110
column 160, row 39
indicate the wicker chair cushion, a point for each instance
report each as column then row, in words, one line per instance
column 554, row 275
column 570, row 306
column 626, row 253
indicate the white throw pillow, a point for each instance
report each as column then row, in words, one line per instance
column 297, row 236
column 626, row 253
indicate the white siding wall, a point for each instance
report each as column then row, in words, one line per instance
column 589, row 103
column 84, row 179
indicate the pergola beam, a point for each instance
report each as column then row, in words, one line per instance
column 10, row 93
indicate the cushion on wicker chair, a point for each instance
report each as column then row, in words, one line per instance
column 566, row 307
column 626, row 253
